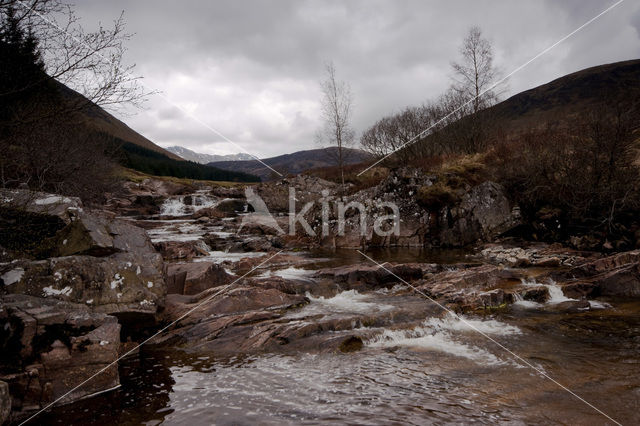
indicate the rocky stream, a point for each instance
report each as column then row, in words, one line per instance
column 268, row 329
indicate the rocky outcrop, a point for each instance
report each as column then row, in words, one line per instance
column 62, row 313
column 484, row 213
column 107, row 264
column 50, row 346
column 538, row 255
column 307, row 188
column 116, row 284
column 478, row 214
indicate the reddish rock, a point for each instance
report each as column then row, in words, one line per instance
column 196, row 277
column 372, row 274
column 50, row 346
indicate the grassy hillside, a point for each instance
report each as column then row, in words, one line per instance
column 563, row 99
column 97, row 119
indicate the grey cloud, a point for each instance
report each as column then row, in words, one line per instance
column 251, row 69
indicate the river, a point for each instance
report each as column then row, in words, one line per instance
column 440, row 371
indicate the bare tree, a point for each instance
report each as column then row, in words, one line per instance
column 396, row 133
column 337, row 103
column 88, row 62
column 475, row 73
column 42, row 135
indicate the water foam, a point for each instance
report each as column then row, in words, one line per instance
column 555, row 291
column 176, row 206
column 291, row 273
column 441, row 334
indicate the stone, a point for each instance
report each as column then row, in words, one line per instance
column 196, row 277
column 236, row 300
column 548, row 262
column 538, row 294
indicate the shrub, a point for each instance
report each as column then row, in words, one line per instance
column 436, row 196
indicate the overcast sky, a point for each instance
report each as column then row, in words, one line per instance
column 251, row 69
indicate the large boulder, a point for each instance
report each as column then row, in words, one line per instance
column 484, row 213
column 95, row 259
column 65, row 208
column 49, row 346
column 119, row 283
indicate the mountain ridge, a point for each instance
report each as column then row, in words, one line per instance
column 190, row 155
column 293, row 163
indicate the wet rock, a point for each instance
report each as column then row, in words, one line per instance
column 50, row 346
column 237, row 300
column 570, row 306
column 495, row 298
column 548, row 262
column 196, row 277
column 608, row 263
column 581, row 290
column 351, row 344
column 465, row 288
column 238, row 321
column 622, row 281
column 538, row 294
column 5, row 403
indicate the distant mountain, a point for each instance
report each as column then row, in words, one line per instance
column 197, row 157
column 294, row 163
